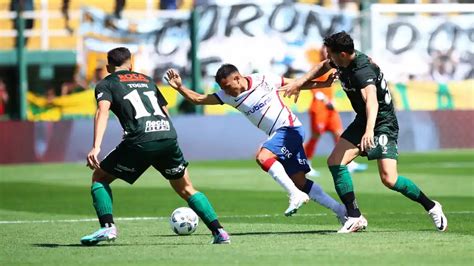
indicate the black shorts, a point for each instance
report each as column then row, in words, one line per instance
column 385, row 143
column 129, row 161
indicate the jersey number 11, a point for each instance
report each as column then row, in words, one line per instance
column 140, row 110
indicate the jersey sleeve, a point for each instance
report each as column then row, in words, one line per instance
column 364, row 77
column 275, row 80
column 102, row 92
column 161, row 99
column 222, row 97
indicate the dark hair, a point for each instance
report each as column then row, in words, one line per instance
column 224, row 71
column 118, row 56
column 340, row 42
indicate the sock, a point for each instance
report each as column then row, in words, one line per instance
column 310, row 147
column 411, row 191
column 278, row 173
column 317, row 194
column 102, row 199
column 106, row 220
column 345, row 189
column 201, row 205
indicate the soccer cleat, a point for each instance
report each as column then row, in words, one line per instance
column 314, row 173
column 296, row 201
column 439, row 219
column 221, row 238
column 353, row 167
column 103, row 234
column 353, row 224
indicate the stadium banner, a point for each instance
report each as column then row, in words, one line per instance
column 257, row 36
column 71, row 140
column 411, row 42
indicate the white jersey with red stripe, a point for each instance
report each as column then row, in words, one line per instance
column 262, row 104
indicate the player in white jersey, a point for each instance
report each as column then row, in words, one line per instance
column 282, row 155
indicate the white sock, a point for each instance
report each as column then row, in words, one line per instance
column 317, row 194
column 277, row 171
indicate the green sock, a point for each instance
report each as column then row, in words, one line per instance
column 407, row 188
column 201, row 205
column 342, row 179
column 344, row 188
column 102, row 198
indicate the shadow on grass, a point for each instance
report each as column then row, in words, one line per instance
column 320, row 232
column 53, row 245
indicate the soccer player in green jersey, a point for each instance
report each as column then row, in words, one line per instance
column 373, row 133
column 149, row 139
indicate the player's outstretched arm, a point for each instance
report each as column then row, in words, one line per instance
column 305, row 81
column 369, row 94
column 174, row 79
column 100, row 124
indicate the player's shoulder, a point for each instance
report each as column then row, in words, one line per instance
column 104, row 83
column 362, row 61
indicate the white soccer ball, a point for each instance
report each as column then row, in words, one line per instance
column 184, row 221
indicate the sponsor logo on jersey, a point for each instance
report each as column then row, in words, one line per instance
column 154, row 126
column 100, row 95
column 176, row 170
column 137, row 85
column 132, row 77
column 258, row 106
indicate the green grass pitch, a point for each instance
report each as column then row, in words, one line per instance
column 46, row 208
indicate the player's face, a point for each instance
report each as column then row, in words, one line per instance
column 336, row 58
column 232, row 84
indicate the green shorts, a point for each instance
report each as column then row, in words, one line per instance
column 385, row 144
column 129, row 161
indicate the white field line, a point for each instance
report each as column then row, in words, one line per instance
column 160, row 218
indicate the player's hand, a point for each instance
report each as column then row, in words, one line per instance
column 92, row 161
column 173, row 78
column 367, row 142
column 291, row 89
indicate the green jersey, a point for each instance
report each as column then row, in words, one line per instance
column 360, row 73
column 137, row 103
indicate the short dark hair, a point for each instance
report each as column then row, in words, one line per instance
column 118, row 56
column 224, row 71
column 340, row 42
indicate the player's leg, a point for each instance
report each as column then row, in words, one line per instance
column 343, row 153
column 335, row 128
column 125, row 163
column 172, row 166
column 391, row 179
column 102, row 200
column 317, row 194
column 270, row 163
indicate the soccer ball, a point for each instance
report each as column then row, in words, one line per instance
column 184, row 221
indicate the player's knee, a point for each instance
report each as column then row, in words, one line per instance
column 388, row 180
column 332, row 160
column 260, row 159
column 99, row 176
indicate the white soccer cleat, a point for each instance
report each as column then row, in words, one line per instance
column 353, row 224
column 439, row 219
column 296, row 201
column 314, row 173
column 103, row 234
